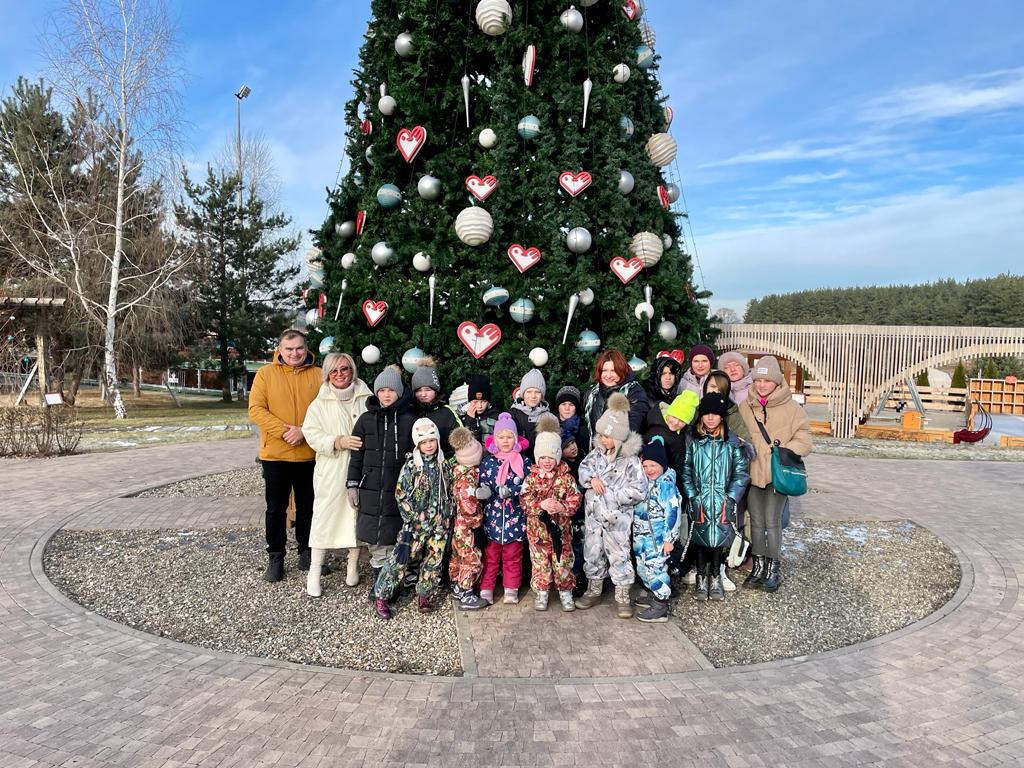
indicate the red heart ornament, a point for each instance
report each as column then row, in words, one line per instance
column 410, row 142
column 481, row 188
column 663, row 196
column 523, row 258
column 626, row 270
column 574, row 183
column 366, row 127
column 629, row 8
column 479, row 341
column 360, row 222
column 374, row 311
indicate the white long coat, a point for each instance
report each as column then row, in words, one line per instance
column 334, row 519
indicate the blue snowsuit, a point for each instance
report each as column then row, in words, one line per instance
column 656, row 521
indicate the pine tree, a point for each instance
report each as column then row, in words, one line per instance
column 959, row 377
column 528, row 207
column 922, row 378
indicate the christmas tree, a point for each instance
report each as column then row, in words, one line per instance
column 508, row 167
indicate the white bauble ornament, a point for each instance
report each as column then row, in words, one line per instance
column 644, row 310
column 493, row 17
column 588, row 341
column 345, row 229
column 647, row 34
column 636, row 364
column 370, row 354
column 325, row 345
column 522, row 310
column 529, row 127
column 387, row 105
column 644, row 56
column 312, row 318
column 429, row 187
column 668, row 331
column 422, row 262
column 495, row 296
column 382, row 253
column 626, row 128
column 357, row 178
column 661, row 149
column 403, row 45
column 647, row 246
column 626, row 182
column 586, row 296
column 487, row 138
column 368, row 154
column 672, row 192
column 389, row 196
column 620, row 73
column 474, row 226
column 539, row 356
column 571, row 19
column 666, row 240
column 411, row 359
column 578, row 240
column 348, row 261
column 587, row 3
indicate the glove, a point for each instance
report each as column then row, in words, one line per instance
column 479, row 538
column 483, row 493
column 730, row 507
column 353, row 498
column 504, row 492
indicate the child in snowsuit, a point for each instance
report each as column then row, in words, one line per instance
column 549, row 498
column 466, row 563
column 503, row 472
column 575, row 447
column 715, row 477
column 656, row 531
column 425, row 501
column 614, row 482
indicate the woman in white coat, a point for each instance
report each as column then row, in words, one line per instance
column 327, row 428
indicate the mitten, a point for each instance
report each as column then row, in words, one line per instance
column 483, row 493
column 504, row 492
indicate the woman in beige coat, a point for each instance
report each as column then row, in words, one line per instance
column 770, row 405
column 328, row 430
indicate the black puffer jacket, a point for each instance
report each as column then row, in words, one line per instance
column 595, row 401
column 659, row 398
column 444, row 419
column 387, row 440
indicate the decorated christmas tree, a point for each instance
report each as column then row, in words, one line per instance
column 510, row 186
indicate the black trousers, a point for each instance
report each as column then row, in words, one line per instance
column 281, row 478
column 709, row 560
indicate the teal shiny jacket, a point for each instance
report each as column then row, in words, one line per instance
column 714, row 470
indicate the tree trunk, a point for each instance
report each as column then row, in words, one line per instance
column 109, row 353
column 136, row 381
column 76, row 382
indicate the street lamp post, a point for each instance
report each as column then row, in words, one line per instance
column 244, row 91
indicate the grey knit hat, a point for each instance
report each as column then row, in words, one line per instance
column 533, row 379
column 614, row 422
column 389, row 378
column 426, row 376
column 768, row 368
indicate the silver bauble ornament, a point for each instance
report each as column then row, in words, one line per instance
column 672, row 191
column 667, row 331
column 403, row 45
column 620, row 73
column 571, row 19
column 626, row 182
column 422, row 262
column 387, row 105
column 578, row 240
column 345, row 229
column 370, row 354
column 626, row 128
column 586, row 296
column 429, row 187
column 382, row 253
column 348, row 261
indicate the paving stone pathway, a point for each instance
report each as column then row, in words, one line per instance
column 78, row 690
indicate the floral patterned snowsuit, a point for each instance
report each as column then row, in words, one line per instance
column 466, row 562
column 560, row 486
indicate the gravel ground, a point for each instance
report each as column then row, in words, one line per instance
column 205, row 588
column 241, row 482
column 844, row 582
column 897, row 449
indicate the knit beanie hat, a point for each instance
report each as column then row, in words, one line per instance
column 424, row 429
column 702, row 349
column 425, row 375
column 533, row 379
column 569, row 394
column 389, row 378
column 734, row 357
column 655, row 451
column 548, row 441
column 614, row 422
column 479, row 387
column 768, row 368
column 714, row 402
column 505, row 421
column 684, row 406
column 467, row 448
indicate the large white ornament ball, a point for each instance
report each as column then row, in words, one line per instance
column 422, row 262
column 370, row 354
column 644, row 310
column 578, row 240
column 403, row 45
column 672, row 190
column 666, row 240
column 387, row 105
column 493, row 17
column 389, row 196
column 648, row 247
column 647, row 34
column 586, row 296
column 588, row 341
column 474, row 226
column 348, row 261
column 325, row 345
column 626, row 128
column 368, row 154
column 668, row 331
column 382, row 253
column 661, row 149
column 411, row 359
column 620, row 73
column 487, row 138
column 626, row 182
column 495, row 296
column 529, row 127
column 539, row 356
column 522, row 310
column 644, row 56
column 429, row 187
column 571, row 19
column 312, row 318
column 345, row 229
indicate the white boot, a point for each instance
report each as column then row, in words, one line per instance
column 316, row 561
column 352, row 575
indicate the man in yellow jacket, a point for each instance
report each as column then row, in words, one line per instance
column 281, row 393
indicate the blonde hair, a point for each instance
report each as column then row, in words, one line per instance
column 332, row 359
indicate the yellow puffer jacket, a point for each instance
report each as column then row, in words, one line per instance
column 280, row 396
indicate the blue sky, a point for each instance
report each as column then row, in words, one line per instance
column 821, row 143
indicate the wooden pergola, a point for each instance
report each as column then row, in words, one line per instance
column 40, row 308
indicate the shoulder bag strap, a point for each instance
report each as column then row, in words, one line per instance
column 760, row 426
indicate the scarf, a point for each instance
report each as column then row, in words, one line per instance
column 346, row 394
column 568, row 429
column 740, row 389
column 509, row 459
column 533, row 413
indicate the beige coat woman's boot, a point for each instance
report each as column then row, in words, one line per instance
column 352, row 575
column 316, row 561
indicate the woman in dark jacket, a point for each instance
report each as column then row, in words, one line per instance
column 386, row 432
column 612, row 374
column 661, row 387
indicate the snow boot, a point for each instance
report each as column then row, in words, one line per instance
column 757, row 573
column 352, row 574
column 275, row 567
column 772, row 577
column 715, row 591
column 565, row 598
column 592, row 596
column 382, row 608
column 623, row 605
column 655, row 613
column 701, row 593
column 313, row 576
column 540, row 602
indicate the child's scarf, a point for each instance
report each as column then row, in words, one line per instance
column 509, row 459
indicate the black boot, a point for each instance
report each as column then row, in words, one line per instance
column 702, row 585
column 773, row 577
column 715, row 591
column 275, row 568
column 753, row 581
column 304, row 559
column 643, row 600
column 656, row 613
column 373, row 583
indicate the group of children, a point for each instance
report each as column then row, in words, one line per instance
column 499, row 480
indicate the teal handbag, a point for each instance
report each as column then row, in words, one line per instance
column 789, row 475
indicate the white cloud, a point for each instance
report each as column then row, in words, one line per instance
column 988, row 92
column 868, row 146
column 798, row 179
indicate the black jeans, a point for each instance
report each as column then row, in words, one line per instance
column 281, row 477
column 709, row 561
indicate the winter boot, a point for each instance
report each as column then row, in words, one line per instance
column 487, row 595
column 623, row 605
column 753, row 581
column 313, row 576
column 423, row 603
column 643, row 600
column 470, row 602
column 727, row 583
column 373, row 583
column 352, row 575
column 275, row 568
column 655, row 613
column 565, row 598
column 715, row 591
column 772, row 577
column 540, row 602
column 511, row 596
column 383, row 609
column 304, row 560
column 701, row 593
column 592, row 596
